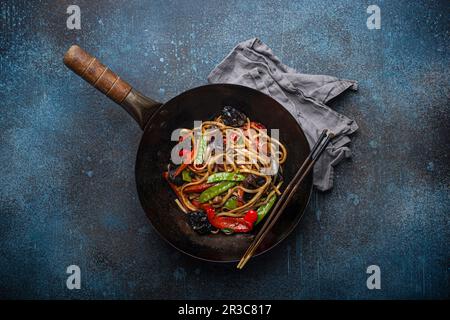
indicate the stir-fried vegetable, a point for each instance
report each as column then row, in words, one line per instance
column 228, row 224
column 232, row 117
column 174, row 172
column 219, row 188
column 240, row 191
column 253, row 181
column 201, row 150
column 225, row 176
column 173, row 176
column 198, row 188
column 231, row 203
column 264, row 209
column 251, row 216
column 186, row 175
column 199, row 222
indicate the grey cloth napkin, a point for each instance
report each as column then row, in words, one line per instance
column 253, row 64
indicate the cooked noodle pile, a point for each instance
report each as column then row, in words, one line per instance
column 240, row 155
column 229, row 173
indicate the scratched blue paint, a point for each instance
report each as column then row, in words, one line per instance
column 89, row 173
column 353, row 198
column 373, row 144
column 67, row 192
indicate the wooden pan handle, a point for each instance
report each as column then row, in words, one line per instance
column 93, row 71
column 140, row 107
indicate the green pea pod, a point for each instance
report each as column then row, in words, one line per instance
column 225, row 176
column 219, row 188
column 231, row 203
column 201, row 150
column 265, row 208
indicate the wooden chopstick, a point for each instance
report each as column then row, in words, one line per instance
column 287, row 195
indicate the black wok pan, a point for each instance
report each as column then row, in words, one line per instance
column 159, row 120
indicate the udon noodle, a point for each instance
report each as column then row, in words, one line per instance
column 238, row 164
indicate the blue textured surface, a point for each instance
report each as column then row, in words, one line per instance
column 67, row 192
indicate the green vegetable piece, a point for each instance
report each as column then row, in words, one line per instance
column 201, row 150
column 231, row 203
column 186, row 175
column 225, row 176
column 265, row 208
column 215, row 190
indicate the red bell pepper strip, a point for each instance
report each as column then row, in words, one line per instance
column 180, row 169
column 198, row 188
column 187, row 155
column 254, row 124
column 240, row 197
column 196, row 203
column 257, row 125
column 237, row 225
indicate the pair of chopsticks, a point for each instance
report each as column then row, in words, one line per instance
column 287, row 195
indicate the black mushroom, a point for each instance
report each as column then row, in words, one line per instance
column 252, row 181
column 199, row 222
column 232, row 117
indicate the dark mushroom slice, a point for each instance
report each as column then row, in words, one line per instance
column 232, row 117
column 199, row 222
column 252, row 181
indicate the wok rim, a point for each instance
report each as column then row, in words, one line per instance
column 289, row 231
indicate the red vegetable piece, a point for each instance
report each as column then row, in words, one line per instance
column 257, row 125
column 237, row 225
column 198, row 188
column 251, row 216
column 196, row 203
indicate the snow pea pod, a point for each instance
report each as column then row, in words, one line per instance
column 225, row 176
column 265, row 208
column 201, row 150
column 219, row 188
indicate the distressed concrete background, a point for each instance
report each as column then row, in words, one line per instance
column 67, row 192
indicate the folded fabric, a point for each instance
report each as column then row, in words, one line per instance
column 253, row 64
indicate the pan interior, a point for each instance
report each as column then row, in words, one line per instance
column 203, row 103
